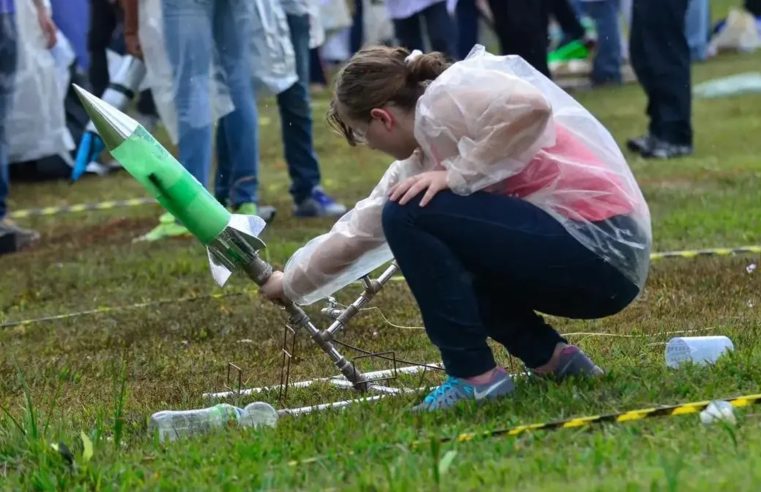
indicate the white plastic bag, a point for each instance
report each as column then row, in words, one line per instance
column 334, row 15
column 273, row 58
column 36, row 125
column 377, row 26
column 740, row 33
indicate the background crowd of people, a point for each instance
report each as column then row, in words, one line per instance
column 208, row 62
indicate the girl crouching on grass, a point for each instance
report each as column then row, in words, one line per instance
column 507, row 198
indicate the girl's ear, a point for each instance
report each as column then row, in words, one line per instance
column 384, row 116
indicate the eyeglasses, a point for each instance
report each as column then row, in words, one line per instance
column 360, row 136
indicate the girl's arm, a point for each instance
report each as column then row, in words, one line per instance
column 354, row 246
column 483, row 126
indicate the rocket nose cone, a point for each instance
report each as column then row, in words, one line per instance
column 113, row 126
column 86, row 99
column 79, row 90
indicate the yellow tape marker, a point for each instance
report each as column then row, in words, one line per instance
column 634, row 415
column 689, row 408
column 80, row 207
column 581, row 421
column 628, row 416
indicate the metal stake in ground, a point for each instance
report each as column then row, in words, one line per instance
column 232, row 241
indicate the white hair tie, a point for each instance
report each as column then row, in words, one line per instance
column 413, row 56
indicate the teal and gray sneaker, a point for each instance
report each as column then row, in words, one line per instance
column 454, row 390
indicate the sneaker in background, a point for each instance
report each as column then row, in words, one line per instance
column 660, row 149
column 168, row 227
column 267, row 213
column 21, row 237
column 319, row 204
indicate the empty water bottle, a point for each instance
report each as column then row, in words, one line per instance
column 257, row 414
column 174, row 424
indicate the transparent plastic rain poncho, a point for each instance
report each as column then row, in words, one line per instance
column 273, row 61
column 36, row 124
column 496, row 124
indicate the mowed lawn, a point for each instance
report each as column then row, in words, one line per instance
column 103, row 374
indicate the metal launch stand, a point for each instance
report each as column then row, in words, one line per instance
column 350, row 377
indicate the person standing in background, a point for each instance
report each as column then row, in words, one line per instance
column 466, row 16
column 606, row 67
column 521, row 27
column 8, row 64
column 698, row 29
column 567, row 14
column 660, row 57
column 197, row 33
column 408, row 16
column 357, row 31
column 68, row 16
column 105, row 17
column 296, row 124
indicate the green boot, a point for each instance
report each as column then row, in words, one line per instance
column 267, row 212
column 575, row 50
column 168, row 227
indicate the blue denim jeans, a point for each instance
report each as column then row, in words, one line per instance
column 296, row 117
column 8, row 60
column 607, row 63
column 482, row 266
column 698, row 28
column 194, row 31
column 296, row 124
column 466, row 16
column 439, row 25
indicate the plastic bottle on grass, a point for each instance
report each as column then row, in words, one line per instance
column 174, row 424
column 257, row 414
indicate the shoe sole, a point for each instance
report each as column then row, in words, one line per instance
column 267, row 214
column 588, row 368
column 662, row 157
column 638, row 147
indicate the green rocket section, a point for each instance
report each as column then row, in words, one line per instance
column 173, row 186
column 232, row 241
column 157, row 170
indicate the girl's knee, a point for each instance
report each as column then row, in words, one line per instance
column 396, row 217
column 393, row 216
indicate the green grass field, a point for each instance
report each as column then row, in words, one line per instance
column 103, row 374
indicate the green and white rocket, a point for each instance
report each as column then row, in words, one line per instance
column 231, row 240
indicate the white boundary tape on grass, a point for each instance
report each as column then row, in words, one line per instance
column 338, row 381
